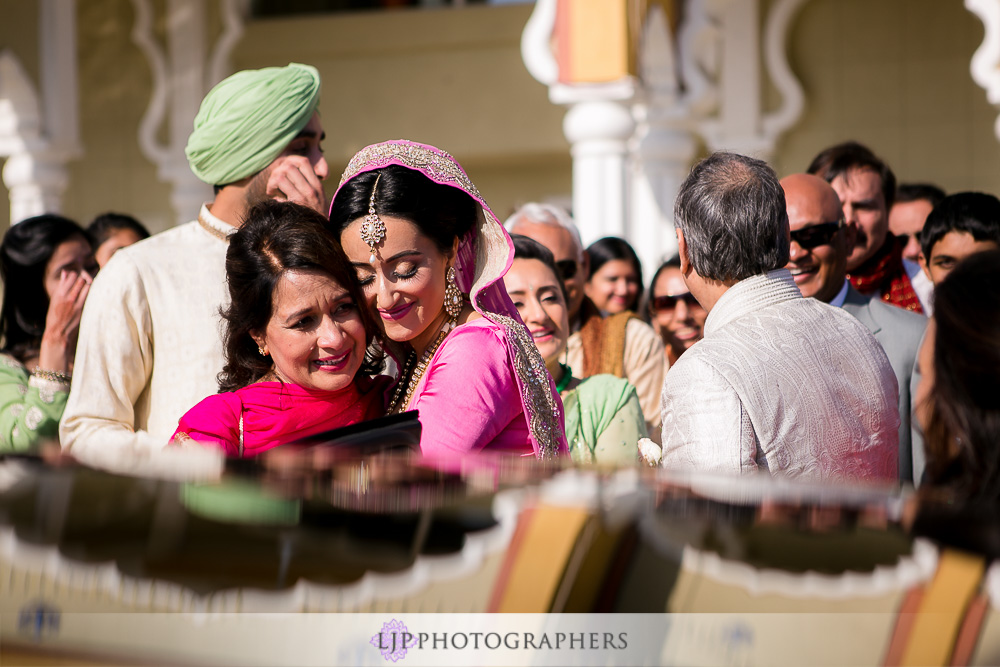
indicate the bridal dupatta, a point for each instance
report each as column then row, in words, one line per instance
column 260, row 416
column 484, row 256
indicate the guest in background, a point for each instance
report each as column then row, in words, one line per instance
column 818, row 264
column 620, row 344
column 913, row 203
column 603, row 418
column 866, row 188
column 673, row 311
column 615, row 280
column 111, row 231
column 958, row 402
column 296, row 340
column 779, row 383
column 47, row 267
column 431, row 256
column 961, row 225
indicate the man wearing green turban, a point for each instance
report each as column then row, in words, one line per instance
column 150, row 340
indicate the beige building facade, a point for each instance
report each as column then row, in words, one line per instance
column 894, row 74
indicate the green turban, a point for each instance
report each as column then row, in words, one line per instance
column 248, row 119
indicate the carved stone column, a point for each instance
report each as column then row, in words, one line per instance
column 633, row 140
column 985, row 65
column 599, row 125
column 663, row 147
column 181, row 78
column 39, row 132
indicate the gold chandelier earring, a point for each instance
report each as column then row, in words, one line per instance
column 452, row 295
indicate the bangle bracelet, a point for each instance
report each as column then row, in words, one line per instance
column 55, row 376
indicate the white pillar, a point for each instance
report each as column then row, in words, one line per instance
column 663, row 160
column 181, row 78
column 985, row 65
column 663, row 148
column 36, row 184
column 599, row 131
column 39, row 132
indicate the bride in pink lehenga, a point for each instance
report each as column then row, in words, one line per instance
column 431, row 256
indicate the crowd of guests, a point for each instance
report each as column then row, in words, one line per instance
column 789, row 335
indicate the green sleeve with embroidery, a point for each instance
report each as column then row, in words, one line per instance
column 603, row 421
column 30, row 407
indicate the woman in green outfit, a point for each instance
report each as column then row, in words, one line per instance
column 603, row 418
column 47, row 265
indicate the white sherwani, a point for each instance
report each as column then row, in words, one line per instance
column 785, row 384
column 150, row 345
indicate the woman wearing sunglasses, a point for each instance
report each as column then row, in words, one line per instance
column 673, row 312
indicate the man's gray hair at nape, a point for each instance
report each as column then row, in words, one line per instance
column 731, row 209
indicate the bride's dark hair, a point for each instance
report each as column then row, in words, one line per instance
column 442, row 212
column 276, row 237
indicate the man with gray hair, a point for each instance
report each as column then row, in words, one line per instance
column 620, row 344
column 780, row 383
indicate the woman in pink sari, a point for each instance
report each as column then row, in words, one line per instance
column 431, row 256
column 297, row 339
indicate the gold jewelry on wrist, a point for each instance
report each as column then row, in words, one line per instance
column 54, row 376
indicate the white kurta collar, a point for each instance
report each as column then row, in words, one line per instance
column 206, row 219
column 751, row 295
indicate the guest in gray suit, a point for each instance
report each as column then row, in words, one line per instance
column 818, row 264
column 779, row 383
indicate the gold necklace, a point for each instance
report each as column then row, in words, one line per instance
column 399, row 403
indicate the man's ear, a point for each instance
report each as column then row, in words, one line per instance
column 585, row 264
column 922, row 261
column 682, row 252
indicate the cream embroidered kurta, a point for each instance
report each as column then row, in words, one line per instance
column 785, row 384
column 150, row 345
column 644, row 364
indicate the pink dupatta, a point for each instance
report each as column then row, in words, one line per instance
column 484, row 256
column 261, row 416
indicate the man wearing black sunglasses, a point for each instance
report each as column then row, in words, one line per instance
column 818, row 260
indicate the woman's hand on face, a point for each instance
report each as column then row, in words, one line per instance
column 66, row 306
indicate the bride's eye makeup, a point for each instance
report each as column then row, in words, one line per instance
column 407, row 270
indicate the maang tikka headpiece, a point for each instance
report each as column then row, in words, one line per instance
column 372, row 229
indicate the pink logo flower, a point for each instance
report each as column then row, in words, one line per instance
column 393, row 640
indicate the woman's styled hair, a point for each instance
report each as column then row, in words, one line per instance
column 528, row 248
column 106, row 224
column 25, row 252
column 277, row 237
column 604, row 250
column 441, row 212
column 963, row 424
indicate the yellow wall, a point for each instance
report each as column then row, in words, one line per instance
column 894, row 74
column 891, row 73
column 452, row 78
